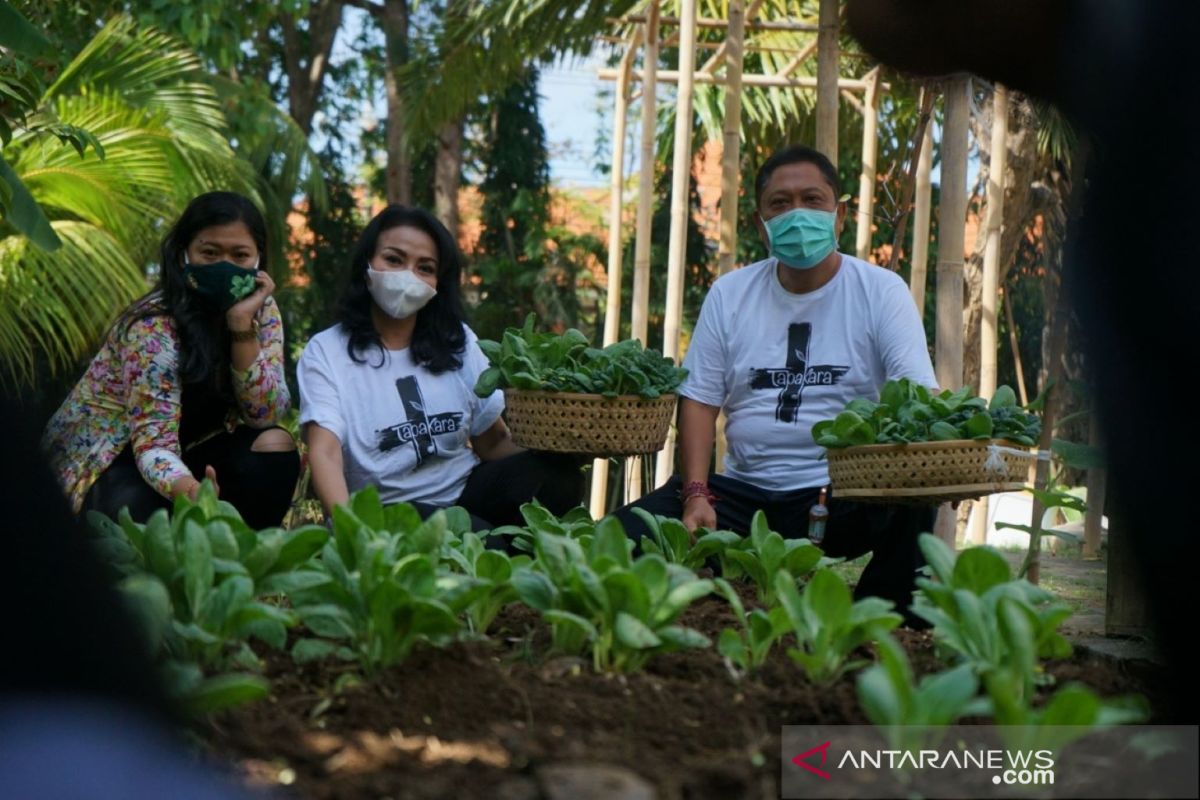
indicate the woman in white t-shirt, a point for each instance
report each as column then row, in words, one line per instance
column 387, row 394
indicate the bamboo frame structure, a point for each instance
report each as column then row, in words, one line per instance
column 723, row 68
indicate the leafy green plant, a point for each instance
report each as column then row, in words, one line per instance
column 986, row 618
column 575, row 524
column 599, row 598
column 746, row 648
column 914, row 713
column 565, row 362
column 377, row 591
column 909, row 412
column 671, row 540
column 764, row 554
column 191, row 577
column 889, row 695
column 490, row 568
column 829, row 625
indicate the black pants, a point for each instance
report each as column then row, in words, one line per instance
column 259, row 485
column 888, row 532
column 496, row 490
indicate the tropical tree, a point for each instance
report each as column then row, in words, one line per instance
column 160, row 126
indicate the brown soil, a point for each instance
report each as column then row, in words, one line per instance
column 478, row 720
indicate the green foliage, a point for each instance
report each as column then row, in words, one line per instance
column 524, row 359
column 193, row 577
column 377, row 590
column 908, row 412
column 764, row 554
column 829, row 626
column 747, row 647
column 987, row 619
column 670, row 539
column 597, row 598
column 142, row 99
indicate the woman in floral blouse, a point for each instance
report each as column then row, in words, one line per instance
column 189, row 383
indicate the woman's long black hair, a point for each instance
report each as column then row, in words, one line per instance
column 438, row 339
column 203, row 337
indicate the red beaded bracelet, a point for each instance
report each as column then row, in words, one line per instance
column 697, row 489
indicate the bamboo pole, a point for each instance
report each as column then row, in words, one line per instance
column 709, row 22
column 738, row 30
column 952, row 213
column 731, row 144
column 799, row 59
column 731, row 150
column 753, row 79
column 991, row 255
column 1016, row 349
column 645, row 209
column 681, row 164
column 866, row 179
column 988, row 337
column 612, row 315
column 920, row 262
column 827, row 80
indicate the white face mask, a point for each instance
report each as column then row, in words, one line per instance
column 399, row 293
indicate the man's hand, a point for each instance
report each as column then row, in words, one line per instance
column 698, row 513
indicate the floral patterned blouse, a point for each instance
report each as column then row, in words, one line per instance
column 131, row 394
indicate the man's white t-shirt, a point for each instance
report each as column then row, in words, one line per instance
column 778, row 363
column 402, row 428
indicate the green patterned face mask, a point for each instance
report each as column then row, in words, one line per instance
column 219, row 285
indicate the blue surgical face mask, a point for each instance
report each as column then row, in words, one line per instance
column 801, row 238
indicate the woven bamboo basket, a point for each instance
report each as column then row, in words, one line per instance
column 928, row 472
column 589, row 424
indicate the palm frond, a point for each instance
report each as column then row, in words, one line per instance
column 54, row 307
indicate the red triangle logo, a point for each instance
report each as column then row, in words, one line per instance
column 801, row 760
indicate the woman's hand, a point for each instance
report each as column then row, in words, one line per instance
column 240, row 316
column 189, row 486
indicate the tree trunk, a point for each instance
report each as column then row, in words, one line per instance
column 399, row 163
column 447, row 175
column 306, row 58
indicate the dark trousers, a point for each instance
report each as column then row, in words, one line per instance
column 496, row 490
column 258, row 485
column 888, row 532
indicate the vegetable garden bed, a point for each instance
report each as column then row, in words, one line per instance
column 484, row 720
column 395, row 657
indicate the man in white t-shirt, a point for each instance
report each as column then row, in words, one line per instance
column 780, row 345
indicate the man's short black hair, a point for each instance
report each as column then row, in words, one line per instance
column 796, row 154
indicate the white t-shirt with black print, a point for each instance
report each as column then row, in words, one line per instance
column 778, row 362
column 402, row 428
